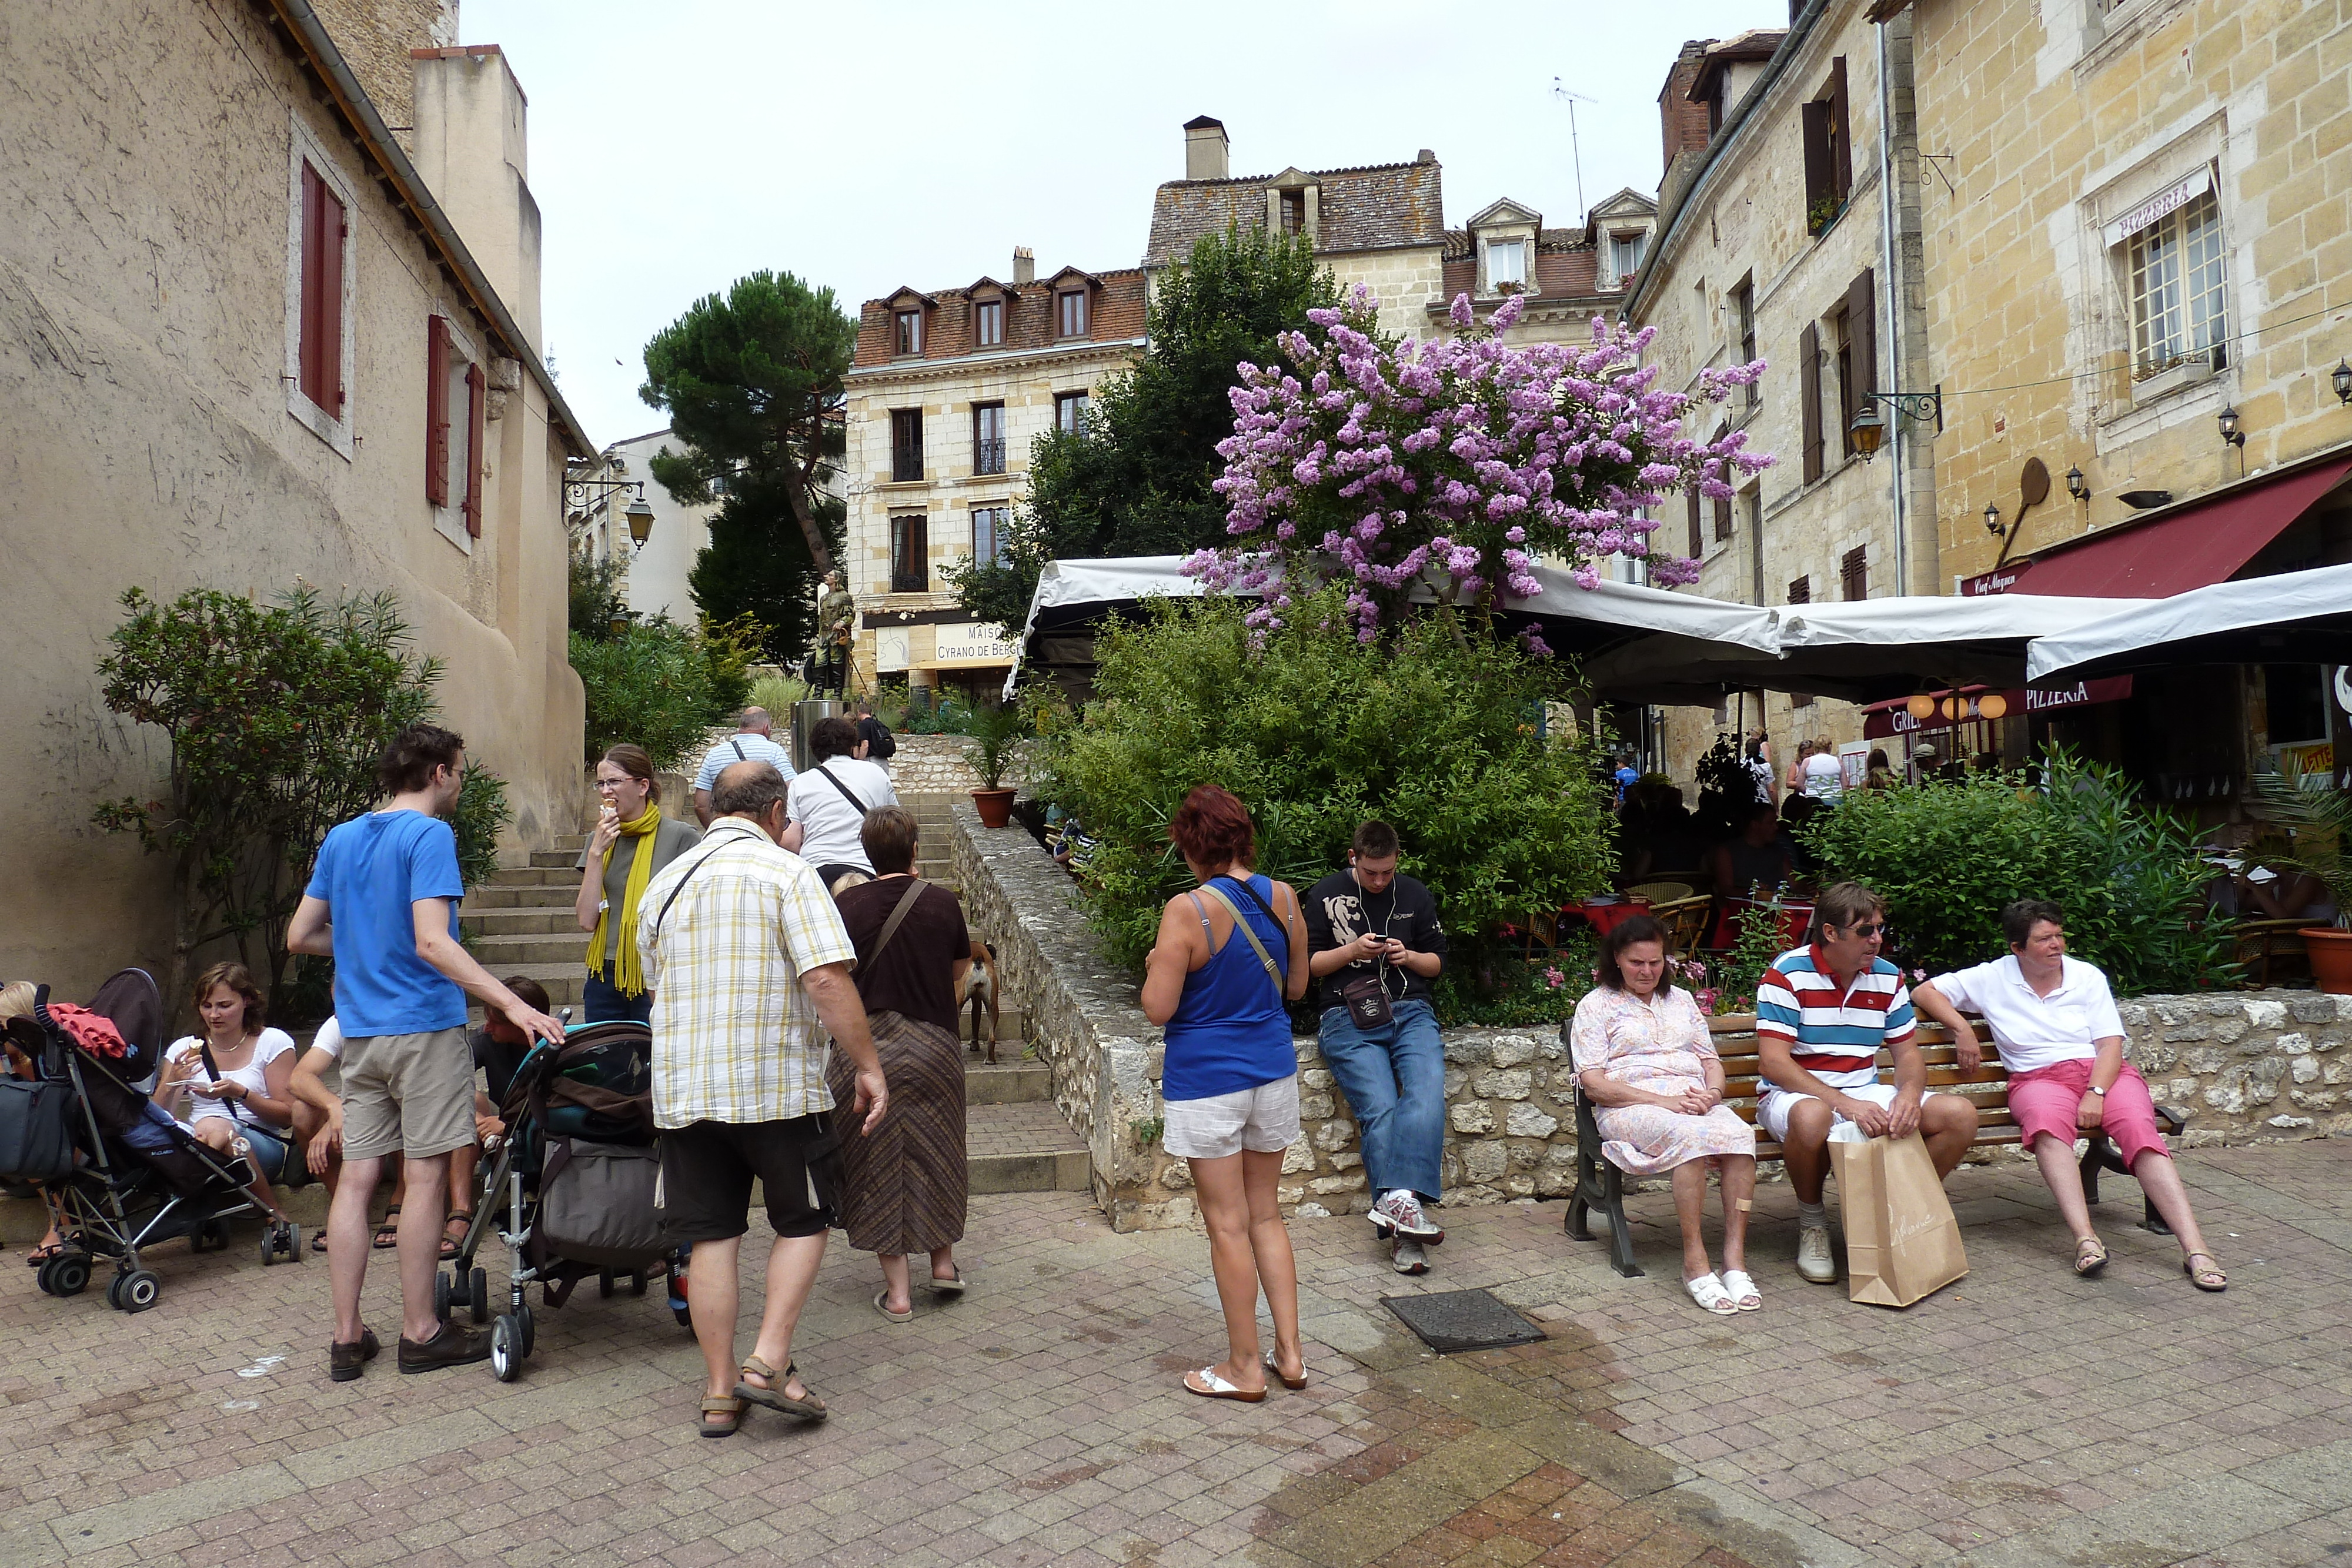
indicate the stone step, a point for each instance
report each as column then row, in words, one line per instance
column 516, row 920
column 504, row 953
column 1008, row 1082
column 1025, row 1147
column 535, row 895
column 565, row 875
column 553, row 859
column 570, row 844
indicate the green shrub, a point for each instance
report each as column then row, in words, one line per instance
column 1435, row 733
column 778, row 694
column 662, row 685
column 1947, row 857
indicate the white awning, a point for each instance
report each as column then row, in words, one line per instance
column 2293, row 618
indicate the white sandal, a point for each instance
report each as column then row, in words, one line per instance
column 1708, row 1293
column 1741, row 1289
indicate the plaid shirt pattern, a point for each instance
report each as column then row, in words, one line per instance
column 736, row 1038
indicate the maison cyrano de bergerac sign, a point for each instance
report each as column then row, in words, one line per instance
column 953, row 643
column 1885, row 723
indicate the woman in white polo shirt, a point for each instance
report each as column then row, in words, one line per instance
column 2062, row 1040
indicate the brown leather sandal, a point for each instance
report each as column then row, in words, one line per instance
column 2090, row 1256
column 2209, row 1278
column 773, row 1395
column 722, row 1416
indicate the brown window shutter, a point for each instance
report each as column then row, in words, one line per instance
column 478, row 397
column 436, row 409
column 1698, row 538
column 312, row 262
column 1862, row 340
column 1854, row 568
column 1801, row 591
column 332, row 232
column 1814, row 118
column 1841, row 133
column 1723, row 516
column 1809, row 395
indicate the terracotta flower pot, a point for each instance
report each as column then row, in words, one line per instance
column 2331, row 957
column 995, row 807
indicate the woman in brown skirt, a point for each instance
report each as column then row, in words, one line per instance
column 904, row 1184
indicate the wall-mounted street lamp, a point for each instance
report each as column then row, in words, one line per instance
column 1868, row 430
column 2230, row 434
column 2074, row 486
column 2342, row 377
column 1992, row 519
column 579, row 493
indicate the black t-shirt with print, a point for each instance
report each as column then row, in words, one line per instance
column 1338, row 911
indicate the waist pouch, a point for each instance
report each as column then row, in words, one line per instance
column 596, row 1203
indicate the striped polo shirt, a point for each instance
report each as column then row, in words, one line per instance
column 1832, row 1035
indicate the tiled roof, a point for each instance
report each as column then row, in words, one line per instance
column 1114, row 314
column 1567, row 266
column 1382, row 206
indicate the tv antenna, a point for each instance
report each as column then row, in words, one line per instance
column 1560, row 89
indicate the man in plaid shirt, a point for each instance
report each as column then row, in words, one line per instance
column 749, row 964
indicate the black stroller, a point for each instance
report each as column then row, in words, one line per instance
column 138, row 1177
column 569, row 1187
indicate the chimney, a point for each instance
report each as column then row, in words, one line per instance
column 471, row 146
column 1681, row 124
column 1204, row 150
column 1024, row 264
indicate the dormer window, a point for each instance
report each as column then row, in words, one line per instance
column 1506, row 265
column 1294, row 213
column 987, row 324
column 910, row 339
column 1071, row 304
column 1625, row 253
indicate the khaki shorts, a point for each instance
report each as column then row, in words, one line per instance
column 409, row 1093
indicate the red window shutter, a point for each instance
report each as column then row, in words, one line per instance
column 320, row 354
column 476, row 399
column 437, row 411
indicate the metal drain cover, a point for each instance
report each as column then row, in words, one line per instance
column 1453, row 1321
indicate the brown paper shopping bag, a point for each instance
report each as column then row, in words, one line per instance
column 1902, row 1242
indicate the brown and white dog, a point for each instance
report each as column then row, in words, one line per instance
column 979, row 992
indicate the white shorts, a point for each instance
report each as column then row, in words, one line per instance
column 1264, row 1120
column 1773, row 1103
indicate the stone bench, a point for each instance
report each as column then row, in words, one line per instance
column 1601, row 1184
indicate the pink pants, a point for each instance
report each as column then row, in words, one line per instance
column 2044, row 1100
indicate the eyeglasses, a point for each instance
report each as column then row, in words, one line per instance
column 614, row 783
column 1866, row 930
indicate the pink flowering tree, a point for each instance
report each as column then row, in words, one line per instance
column 1455, row 465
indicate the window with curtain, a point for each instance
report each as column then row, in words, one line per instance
column 910, row 565
column 988, row 526
column 906, row 444
column 1506, row 263
column 988, row 438
column 910, row 333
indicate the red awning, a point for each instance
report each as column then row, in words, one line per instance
column 2204, row 542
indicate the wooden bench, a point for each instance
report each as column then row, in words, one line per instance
column 1601, row 1184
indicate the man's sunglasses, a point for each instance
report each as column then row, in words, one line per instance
column 1866, row 930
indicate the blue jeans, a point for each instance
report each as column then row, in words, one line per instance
column 603, row 1002
column 1394, row 1079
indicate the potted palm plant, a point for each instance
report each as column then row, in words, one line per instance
column 994, row 732
column 2318, row 823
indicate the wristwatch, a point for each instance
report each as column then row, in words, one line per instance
column 2095, row 1089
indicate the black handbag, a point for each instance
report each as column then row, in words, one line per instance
column 35, row 1132
column 1366, row 998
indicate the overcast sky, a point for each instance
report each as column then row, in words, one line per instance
column 675, row 147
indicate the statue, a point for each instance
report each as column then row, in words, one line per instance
column 836, row 624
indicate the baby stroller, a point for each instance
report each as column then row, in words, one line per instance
column 570, row 1186
column 136, row 1176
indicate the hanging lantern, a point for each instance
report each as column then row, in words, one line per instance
column 1921, row 705
column 1992, row 704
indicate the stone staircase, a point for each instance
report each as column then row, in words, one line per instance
column 522, row 923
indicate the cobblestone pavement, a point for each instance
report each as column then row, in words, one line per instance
column 2019, row 1418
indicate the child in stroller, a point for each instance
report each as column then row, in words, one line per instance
column 568, row 1186
column 132, row 1175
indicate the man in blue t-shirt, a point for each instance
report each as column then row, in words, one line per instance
column 383, row 902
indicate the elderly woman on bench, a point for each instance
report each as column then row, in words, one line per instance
column 1646, row 1062
column 2055, row 1022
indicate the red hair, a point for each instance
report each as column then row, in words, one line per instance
column 1213, row 827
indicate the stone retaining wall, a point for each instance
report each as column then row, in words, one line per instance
column 931, row 765
column 2249, row 1066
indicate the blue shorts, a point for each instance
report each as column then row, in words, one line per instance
column 269, row 1150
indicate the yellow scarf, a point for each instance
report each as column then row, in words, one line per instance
column 629, row 978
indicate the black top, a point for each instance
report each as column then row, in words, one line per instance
column 915, row 977
column 1338, row 911
column 497, row 1061
column 880, row 744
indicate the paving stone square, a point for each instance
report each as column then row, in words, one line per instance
column 2021, row 1417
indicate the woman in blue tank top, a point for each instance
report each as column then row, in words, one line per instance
column 1228, row 959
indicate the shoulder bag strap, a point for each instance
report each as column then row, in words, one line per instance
column 682, row 881
column 1273, row 971
column 739, row 750
column 845, row 794
column 905, row 907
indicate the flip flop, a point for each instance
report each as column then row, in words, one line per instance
column 1218, row 1388
column 1741, row 1289
column 949, row 1287
column 773, row 1397
column 318, row 1239
column 722, row 1416
column 1708, row 1293
column 882, row 1305
column 387, row 1235
column 2090, row 1257
column 1288, row 1382
column 40, row 1254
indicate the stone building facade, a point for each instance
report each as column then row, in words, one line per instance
column 252, row 338
column 653, row 579
column 2144, row 223
column 947, row 391
column 1790, row 233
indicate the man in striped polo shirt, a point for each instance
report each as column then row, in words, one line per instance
column 1822, row 1012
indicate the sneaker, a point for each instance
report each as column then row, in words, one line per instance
column 1408, row 1258
column 1398, row 1210
column 1814, row 1260
column 345, row 1362
column 453, row 1346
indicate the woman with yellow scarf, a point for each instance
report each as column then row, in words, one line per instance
column 632, row 840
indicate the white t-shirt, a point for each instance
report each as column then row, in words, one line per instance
column 742, row 747
column 2034, row 1031
column 829, row 823
column 1824, row 778
column 273, row 1044
column 330, row 1039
